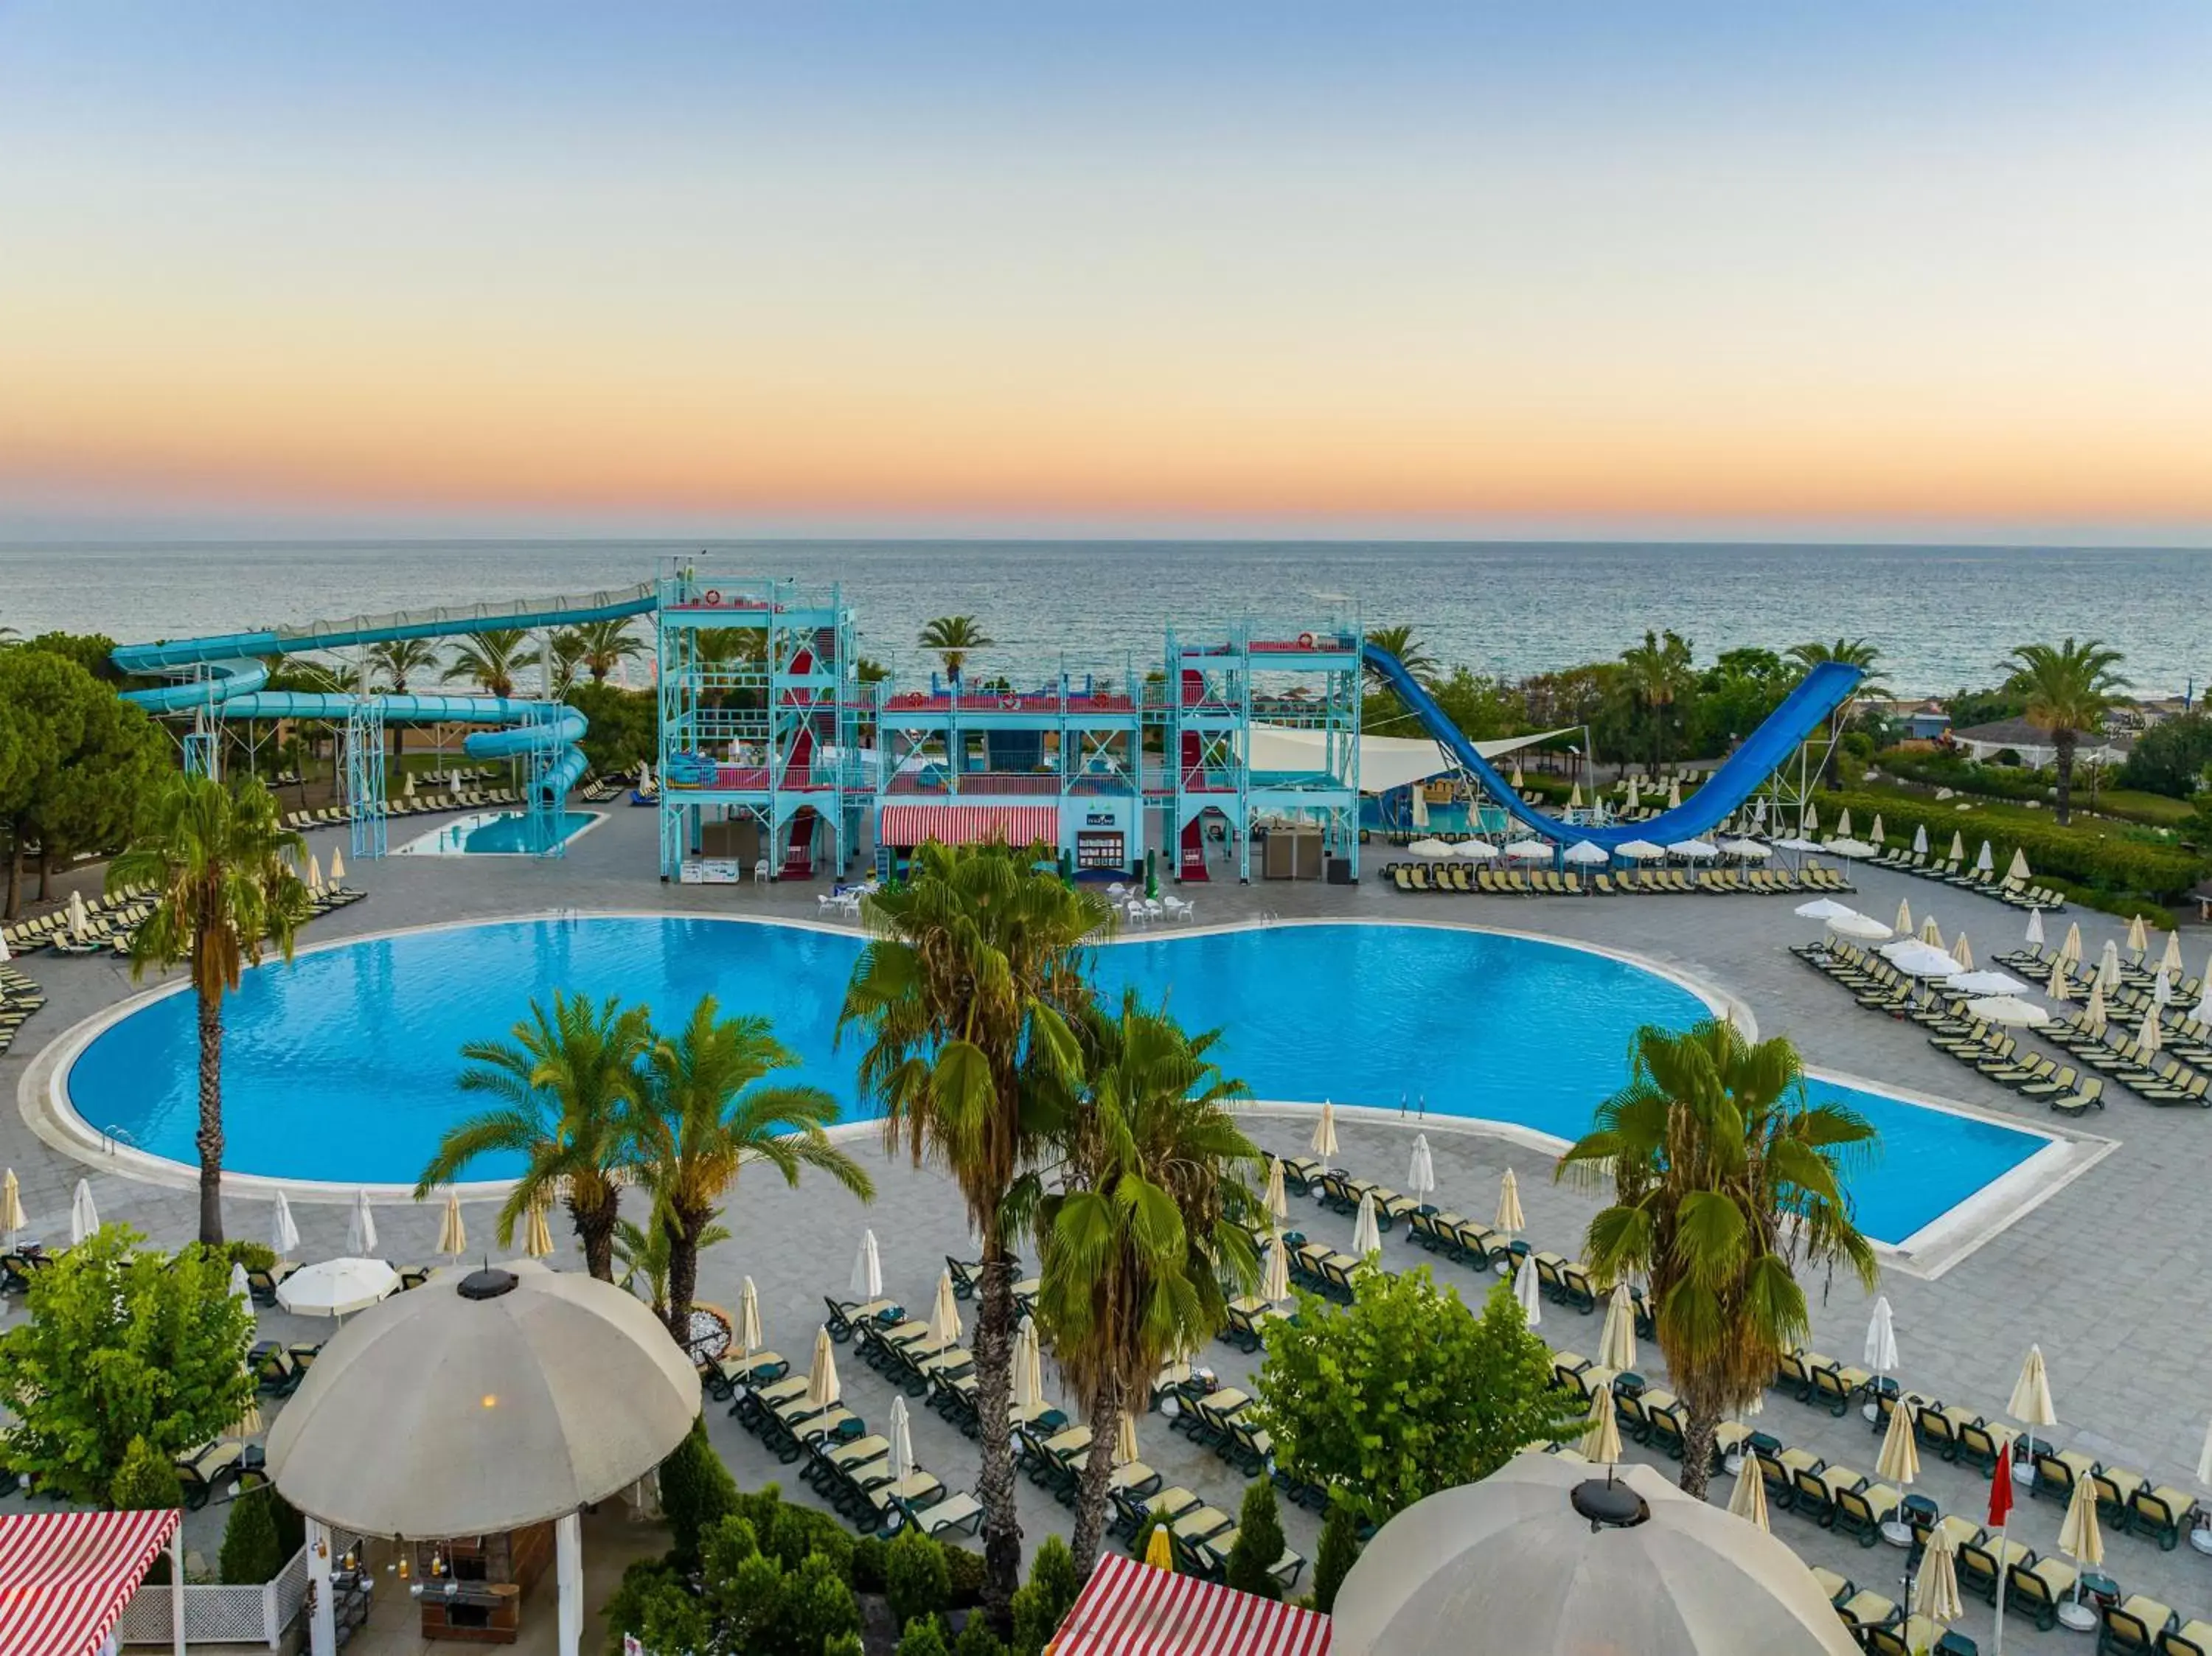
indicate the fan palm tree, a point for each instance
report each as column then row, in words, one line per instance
column 1412, row 655
column 607, row 645
column 2069, row 689
column 1134, row 1252
column 1726, row 1178
column 968, row 995
column 395, row 662
column 954, row 638
column 490, row 659
column 1852, row 652
column 705, row 1117
column 215, row 858
column 1658, row 674
column 641, row 1250
column 568, row 1084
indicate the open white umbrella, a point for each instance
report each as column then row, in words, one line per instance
column 453, row 1232
column 1616, row 1343
column 1600, row 1444
column 1864, row 927
column 1527, row 1292
column 361, row 1227
column 1278, row 1202
column 1530, row 851
column 1475, row 850
column 1852, row 848
column 1749, row 850
column 1585, row 853
column 1695, row 851
column 2035, row 928
column 747, row 1333
column 1508, row 1218
column 84, row 1218
column 1640, row 851
column 1366, row 1234
column 822, row 1385
column 283, row 1235
column 1919, row 960
column 1826, row 908
column 902, row 1440
column 2007, row 1010
column 1747, row 1500
column 1987, row 983
column 1323, row 1142
column 336, row 1288
column 867, row 1279
column 1421, row 1173
column 1430, row 848
column 1276, row 1281
column 944, row 1315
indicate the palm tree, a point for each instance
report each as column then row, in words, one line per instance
column 1412, row 655
column 707, row 1118
column 490, row 659
column 1658, row 673
column 641, row 1250
column 954, row 637
column 215, row 857
column 2070, row 689
column 568, row 1083
column 567, row 646
column 395, row 662
column 1725, row 1178
column 968, row 994
column 607, row 645
column 1134, row 1252
column 1852, row 652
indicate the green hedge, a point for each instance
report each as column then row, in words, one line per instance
column 2055, row 854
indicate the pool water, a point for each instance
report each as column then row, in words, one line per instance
column 498, row 834
column 341, row 1067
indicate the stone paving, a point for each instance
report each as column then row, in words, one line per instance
column 2117, row 1306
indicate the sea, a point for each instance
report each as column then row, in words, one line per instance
column 1943, row 616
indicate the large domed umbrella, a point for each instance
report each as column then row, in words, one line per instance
column 1547, row 1557
column 482, row 1403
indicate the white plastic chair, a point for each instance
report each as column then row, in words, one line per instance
column 1117, row 891
column 1155, row 909
column 760, row 872
column 1178, row 909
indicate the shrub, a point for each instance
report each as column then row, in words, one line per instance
column 844, row 1644
column 2170, row 757
column 815, row 1607
column 145, row 1481
column 793, row 1534
column 252, row 1552
column 1040, row 1606
column 1259, row 1543
column 866, row 1568
column 254, row 1256
column 291, row 1528
column 697, row 1492
column 923, row 1637
column 917, row 1578
column 1140, row 1543
column 966, row 1569
column 644, row 1580
column 1339, row 1550
column 977, row 1639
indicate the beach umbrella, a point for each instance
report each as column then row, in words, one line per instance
column 1931, row 933
column 2007, row 1010
column 314, row 873
column 1125, row 1440
column 1635, row 796
column 1899, row 1460
column 537, row 1235
column 2204, row 1460
column 2162, row 989
column 249, row 1422
column 2149, row 1037
column 944, row 1315
column 1430, row 848
column 902, row 1436
column 1987, row 983
column 1323, row 1142
column 748, row 1331
column 2094, row 1011
column 2016, row 871
column 1810, row 821
column 1826, row 908
column 1850, row 847
column 822, row 1388
column 1508, row 1218
column 1875, row 834
column 1693, row 850
column 361, row 1227
column 1530, row 851
column 1278, row 1202
column 1919, row 960
column 645, row 775
column 1759, row 813
column 1275, row 1282
column 2031, row 1403
column 2071, row 948
column 11, row 1207
column 1600, row 1444
column 1583, row 851
column 1159, row 1551
column 77, row 917
column 1366, row 1234
column 1474, row 850
column 2138, row 939
column 1642, row 851
column 1420, row 805
column 283, row 1235
column 1844, row 824
column 333, row 1288
column 1881, row 1338
column 407, row 787
column 1421, row 1175
column 2202, row 1011
column 2035, row 927
column 2170, row 962
column 1674, row 794
column 1864, row 927
column 1958, row 848
column 337, row 866
column 1029, row 1369
column 1749, row 850
column 239, row 1287
column 1986, row 862
column 1748, row 1501
column 1525, row 1291
column 3, row 951
column 1920, row 840
column 2061, row 988
column 1574, row 796
column 1936, row 1595
column 453, row 1233
column 1616, row 1345
column 2082, row 1540
column 84, row 1218
column 868, row 1279
column 1903, row 924
column 2108, row 967
column 1966, row 955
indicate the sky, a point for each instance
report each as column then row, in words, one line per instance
column 1589, row 269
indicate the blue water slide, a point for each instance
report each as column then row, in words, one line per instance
column 1804, row 711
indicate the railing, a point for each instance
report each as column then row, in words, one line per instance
column 223, row 1614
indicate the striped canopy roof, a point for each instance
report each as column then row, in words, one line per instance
column 969, row 825
column 1131, row 1609
column 65, row 1577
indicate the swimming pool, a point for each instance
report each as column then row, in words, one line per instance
column 497, row 834
column 340, row 1067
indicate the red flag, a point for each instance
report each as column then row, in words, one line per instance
column 2001, row 1490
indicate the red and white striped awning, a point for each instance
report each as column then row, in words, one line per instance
column 1131, row 1609
column 968, row 825
column 65, row 1577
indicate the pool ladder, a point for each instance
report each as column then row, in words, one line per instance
column 111, row 1136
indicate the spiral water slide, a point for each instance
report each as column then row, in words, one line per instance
column 228, row 674
column 1804, row 711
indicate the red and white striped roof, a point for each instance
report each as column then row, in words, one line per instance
column 1131, row 1609
column 65, row 1577
column 968, row 825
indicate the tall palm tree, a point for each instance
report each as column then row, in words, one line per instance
column 1412, row 655
column 1852, row 652
column 1134, row 1252
column 568, row 1084
column 490, row 659
column 641, row 1250
column 968, row 994
column 707, row 1118
column 1658, row 674
column 2070, row 689
column 1726, row 1178
column 215, row 857
column 607, row 645
column 568, row 648
column 395, row 662
column 954, row 637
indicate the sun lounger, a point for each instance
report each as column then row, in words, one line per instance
column 201, row 1472
column 2161, row 1512
column 2036, row 1589
column 2192, row 1639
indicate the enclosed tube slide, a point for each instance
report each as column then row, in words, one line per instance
column 1804, row 711
column 234, row 677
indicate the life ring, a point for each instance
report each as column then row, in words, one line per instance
column 1306, row 640
column 1011, row 703
column 713, row 598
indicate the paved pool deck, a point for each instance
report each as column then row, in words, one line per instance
column 2105, row 1273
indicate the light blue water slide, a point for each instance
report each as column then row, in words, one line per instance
column 1804, row 711
column 232, row 675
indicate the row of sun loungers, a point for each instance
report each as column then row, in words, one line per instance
column 41, row 929
column 425, row 805
column 1954, row 870
column 1635, row 883
column 19, row 998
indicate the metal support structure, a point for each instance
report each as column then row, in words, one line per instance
column 364, row 776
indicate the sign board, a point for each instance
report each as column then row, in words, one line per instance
column 711, row 871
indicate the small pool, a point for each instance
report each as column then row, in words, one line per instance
column 499, row 833
column 341, row 1066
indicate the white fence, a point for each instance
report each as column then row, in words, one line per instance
column 219, row 1615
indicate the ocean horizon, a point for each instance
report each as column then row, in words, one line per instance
column 1943, row 616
